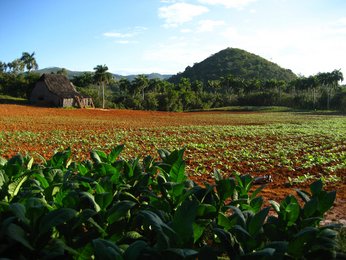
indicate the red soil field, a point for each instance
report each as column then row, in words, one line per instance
column 26, row 119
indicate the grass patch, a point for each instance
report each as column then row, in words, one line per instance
column 251, row 109
column 6, row 99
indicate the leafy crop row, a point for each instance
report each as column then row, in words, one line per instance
column 111, row 208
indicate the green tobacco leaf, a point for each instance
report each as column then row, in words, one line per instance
column 112, row 157
column 326, row 200
column 303, row 195
column 223, row 221
column 42, row 180
column 120, row 211
column 19, row 211
column 91, row 198
column 198, row 231
column 163, row 154
column 290, row 209
column 135, row 249
column 95, row 157
column 14, row 187
column 3, row 161
column 106, row 250
column 241, row 232
column 30, row 162
column 183, row 221
column 275, row 205
column 177, row 172
column 255, row 204
column 256, row 223
column 225, row 188
column 57, row 248
column 98, row 227
column 217, row 175
column 310, row 207
column 82, row 169
column 3, row 179
column 244, row 183
column 298, row 245
column 206, row 211
column 165, row 235
column 60, row 159
column 229, row 243
column 18, row 234
column 104, row 199
column 55, row 218
column 316, row 187
column 238, row 215
column 107, row 169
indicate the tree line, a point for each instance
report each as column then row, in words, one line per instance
column 320, row 91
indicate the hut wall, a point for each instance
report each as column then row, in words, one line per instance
column 68, row 102
column 87, row 102
column 41, row 95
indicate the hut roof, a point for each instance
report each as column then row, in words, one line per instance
column 60, row 86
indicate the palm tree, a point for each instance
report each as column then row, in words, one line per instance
column 29, row 61
column 330, row 80
column 102, row 77
column 141, row 82
column 3, row 67
column 15, row 66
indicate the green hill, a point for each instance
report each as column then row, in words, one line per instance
column 235, row 62
column 71, row 74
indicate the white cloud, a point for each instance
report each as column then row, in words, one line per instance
column 168, row 1
column 238, row 4
column 185, row 30
column 209, row 25
column 118, row 35
column 179, row 13
column 132, row 32
column 123, row 42
column 230, row 33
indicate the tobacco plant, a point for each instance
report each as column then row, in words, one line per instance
column 111, row 208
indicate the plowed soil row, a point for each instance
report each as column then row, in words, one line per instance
column 280, row 144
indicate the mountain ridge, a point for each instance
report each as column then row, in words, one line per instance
column 71, row 74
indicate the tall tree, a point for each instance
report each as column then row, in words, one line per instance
column 330, row 81
column 62, row 71
column 3, row 67
column 124, row 86
column 141, row 82
column 102, row 77
column 16, row 66
column 29, row 61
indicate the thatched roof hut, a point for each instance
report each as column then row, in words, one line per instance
column 57, row 90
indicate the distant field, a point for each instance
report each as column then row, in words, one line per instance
column 294, row 148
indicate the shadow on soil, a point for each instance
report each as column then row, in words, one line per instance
column 14, row 101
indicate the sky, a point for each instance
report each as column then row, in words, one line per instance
column 166, row 36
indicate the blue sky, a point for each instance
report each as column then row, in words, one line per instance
column 165, row 36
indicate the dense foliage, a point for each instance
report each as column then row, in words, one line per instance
column 110, row 208
column 235, row 62
column 231, row 77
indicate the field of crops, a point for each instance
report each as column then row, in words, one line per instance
column 294, row 148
